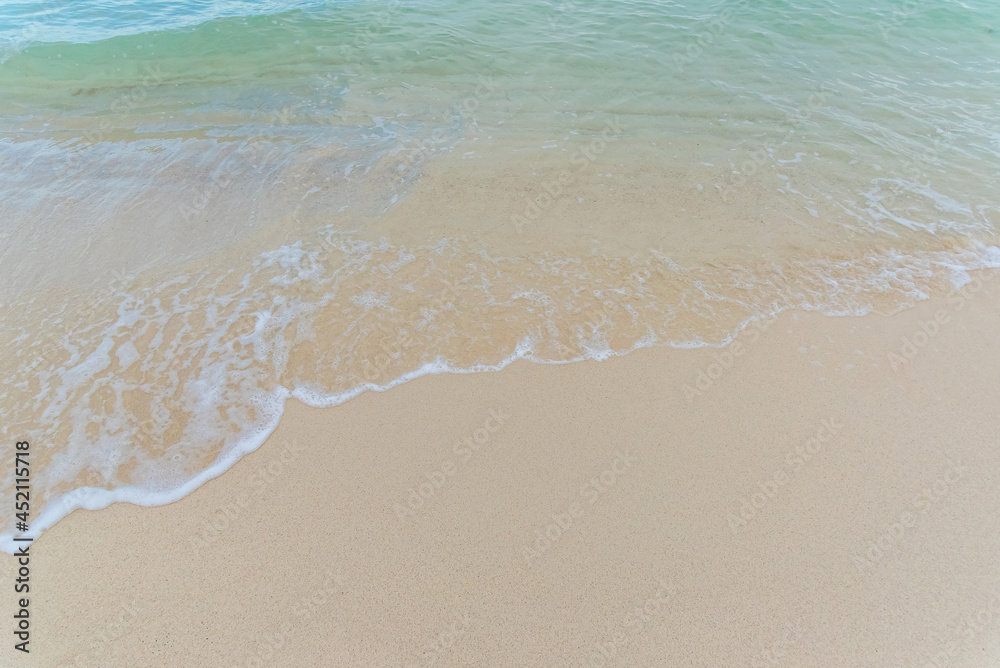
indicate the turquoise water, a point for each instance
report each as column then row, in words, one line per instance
column 209, row 207
column 22, row 23
column 902, row 92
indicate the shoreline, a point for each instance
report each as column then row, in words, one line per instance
column 872, row 541
column 95, row 498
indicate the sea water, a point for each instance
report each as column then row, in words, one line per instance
column 207, row 208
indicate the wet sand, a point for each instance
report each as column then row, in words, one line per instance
column 799, row 498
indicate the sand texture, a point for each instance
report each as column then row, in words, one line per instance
column 802, row 503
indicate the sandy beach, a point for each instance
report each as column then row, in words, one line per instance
column 545, row 333
column 821, row 492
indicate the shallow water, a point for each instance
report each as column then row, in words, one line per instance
column 208, row 207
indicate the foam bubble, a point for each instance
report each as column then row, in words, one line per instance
column 185, row 377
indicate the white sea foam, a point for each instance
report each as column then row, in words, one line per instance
column 205, row 390
column 329, row 118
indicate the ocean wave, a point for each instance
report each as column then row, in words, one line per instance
column 182, row 378
column 329, row 199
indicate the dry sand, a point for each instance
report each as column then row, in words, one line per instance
column 878, row 548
